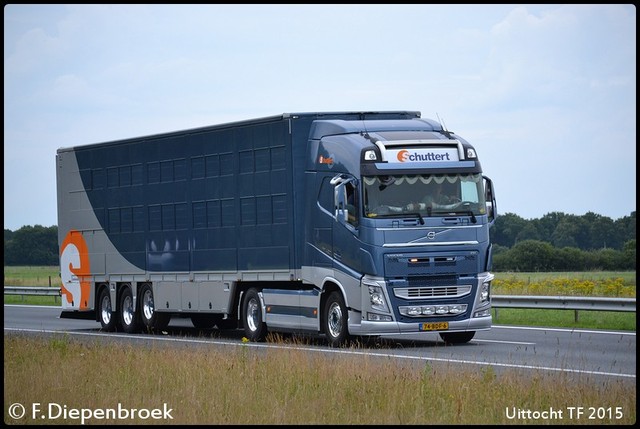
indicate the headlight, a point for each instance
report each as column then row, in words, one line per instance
column 485, row 292
column 376, row 296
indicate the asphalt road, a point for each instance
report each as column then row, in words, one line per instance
column 590, row 354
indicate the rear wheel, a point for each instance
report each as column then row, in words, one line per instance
column 335, row 320
column 129, row 318
column 457, row 337
column 254, row 328
column 151, row 319
column 108, row 320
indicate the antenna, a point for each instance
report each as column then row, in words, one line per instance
column 444, row 127
column 444, row 131
column 364, row 125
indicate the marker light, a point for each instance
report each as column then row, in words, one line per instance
column 370, row 155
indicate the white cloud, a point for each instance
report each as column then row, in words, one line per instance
column 545, row 92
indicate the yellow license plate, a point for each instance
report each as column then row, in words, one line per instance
column 434, row 326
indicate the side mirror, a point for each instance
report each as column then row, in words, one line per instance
column 490, row 199
column 340, row 203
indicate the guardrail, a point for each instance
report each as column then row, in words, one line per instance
column 564, row 302
column 33, row 290
column 575, row 303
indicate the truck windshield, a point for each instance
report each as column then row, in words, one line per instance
column 425, row 195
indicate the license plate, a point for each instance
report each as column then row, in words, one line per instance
column 434, row 326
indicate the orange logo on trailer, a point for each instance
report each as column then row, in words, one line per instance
column 74, row 266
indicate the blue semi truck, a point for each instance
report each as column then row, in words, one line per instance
column 341, row 224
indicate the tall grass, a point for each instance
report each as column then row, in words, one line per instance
column 629, row 277
column 247, row 385
column 601, row 283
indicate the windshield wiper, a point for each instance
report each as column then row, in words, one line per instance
column 454, row 212
column 418, row 215
column 412, row 214
column 470, row 213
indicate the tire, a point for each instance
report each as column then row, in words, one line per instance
column 335, row 320
column 108, row 319
column 204, row 321
column 150, row 319
column 254, row 328
column 129, row 317
column 457, row 337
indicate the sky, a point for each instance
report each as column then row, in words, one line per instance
column 546, row 93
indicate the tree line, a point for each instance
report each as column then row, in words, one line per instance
column 564, row 242
column 554, row 242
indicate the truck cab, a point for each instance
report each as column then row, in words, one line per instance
column 400, row 228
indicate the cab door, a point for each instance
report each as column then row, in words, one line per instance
column 346, row 242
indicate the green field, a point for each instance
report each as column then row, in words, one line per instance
column 32, row 276
column 627, row 276
column 593, row 283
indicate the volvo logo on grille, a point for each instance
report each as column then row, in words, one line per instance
column 431, row 235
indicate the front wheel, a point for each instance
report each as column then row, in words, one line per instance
column 254, row 328
column 335, row 320
column 457, row 337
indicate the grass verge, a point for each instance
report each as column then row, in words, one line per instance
column 252, row 386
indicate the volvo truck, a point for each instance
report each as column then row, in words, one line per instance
column 339, row 224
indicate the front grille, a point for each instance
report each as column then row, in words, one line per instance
column 428, row 292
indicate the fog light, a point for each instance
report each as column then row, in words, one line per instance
column 442, row 309
column 429, row 310
column 372, row 317
column 410, row 311
column 483, row 313
column 457, row 308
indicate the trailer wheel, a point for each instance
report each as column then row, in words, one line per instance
column 150, row 318
column 254, row 328
column 457, row 337
column 335, row 320
column 108, row 319
column 129, row 318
